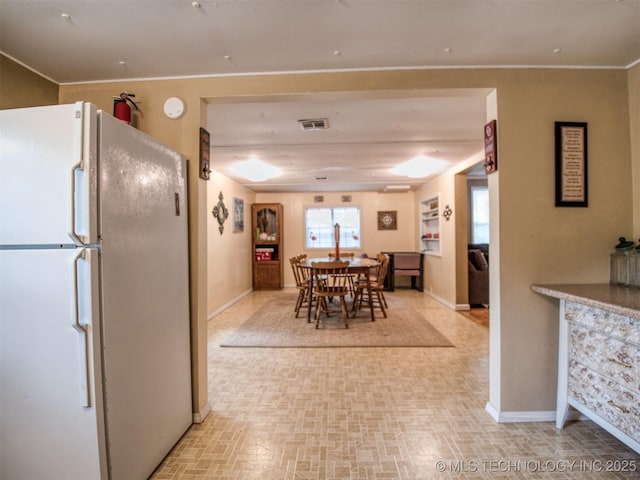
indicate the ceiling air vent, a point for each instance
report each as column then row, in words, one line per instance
column 314, row 124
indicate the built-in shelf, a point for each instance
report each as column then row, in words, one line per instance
column 430, row 226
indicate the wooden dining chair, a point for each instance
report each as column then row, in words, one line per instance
column 351, row 278
column 382, row 257
column 330, row 280
column 301, row 284
column 376, row 282
column 301, row 277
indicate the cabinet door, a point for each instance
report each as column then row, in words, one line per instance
column 266, row 222
column 266, row 275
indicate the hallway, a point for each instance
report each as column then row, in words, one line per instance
column 373, row 413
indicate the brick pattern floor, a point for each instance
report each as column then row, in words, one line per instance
column 374, row 413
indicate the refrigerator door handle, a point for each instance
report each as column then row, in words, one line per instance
column 82, row 329
column 80, row 240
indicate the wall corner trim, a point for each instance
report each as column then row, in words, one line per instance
column 198, row 417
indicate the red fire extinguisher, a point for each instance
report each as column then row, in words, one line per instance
column 121, row 108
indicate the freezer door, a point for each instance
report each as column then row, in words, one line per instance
column 52, row 422
column 47, row 175
column 145, row 298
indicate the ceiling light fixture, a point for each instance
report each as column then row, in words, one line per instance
column 66, row 16
column 421, row 166
column 254, row 170
column 557, row 50
column 196, row 4
column 396, row 188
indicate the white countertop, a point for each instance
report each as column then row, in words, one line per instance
column 616, row 299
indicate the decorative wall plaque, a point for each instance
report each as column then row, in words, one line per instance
column 205, row 171
column 388, row 220
column 490, row 147
column 220, row 212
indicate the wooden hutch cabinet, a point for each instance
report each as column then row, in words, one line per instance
column 268, row 257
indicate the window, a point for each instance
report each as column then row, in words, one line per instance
column 319, row 227
column 479, row 214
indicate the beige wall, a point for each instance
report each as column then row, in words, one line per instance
column 634, row 122
column 228, row 263
column 441, row 271
column 373, row 240
column 20, row 87
column 538, row 242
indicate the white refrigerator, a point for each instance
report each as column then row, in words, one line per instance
column 95, row 378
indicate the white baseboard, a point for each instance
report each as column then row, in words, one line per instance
column 228, row 304
column 533, row 416
column 441, row 300
column 463, row 306
column 198, row 417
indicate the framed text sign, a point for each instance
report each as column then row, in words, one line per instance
column 571, row 164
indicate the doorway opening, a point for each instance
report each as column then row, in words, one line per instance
column 477, row 245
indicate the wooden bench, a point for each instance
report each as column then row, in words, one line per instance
column 405, row 264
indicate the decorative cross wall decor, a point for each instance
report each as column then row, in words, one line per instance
column 220, row 212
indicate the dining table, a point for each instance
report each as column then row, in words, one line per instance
column 357, row 265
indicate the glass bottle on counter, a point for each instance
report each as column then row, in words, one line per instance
column 620, row 262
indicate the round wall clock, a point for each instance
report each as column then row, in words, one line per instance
column 387, row 220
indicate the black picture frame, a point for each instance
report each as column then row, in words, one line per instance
column 572, row 185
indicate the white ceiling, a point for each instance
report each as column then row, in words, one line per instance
column 367, row 136
column 111, row 39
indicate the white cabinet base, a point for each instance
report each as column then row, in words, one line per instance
column 611, row 403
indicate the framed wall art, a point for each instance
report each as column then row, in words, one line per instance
column 571, row 164
column 388, row 220
column 238, row 215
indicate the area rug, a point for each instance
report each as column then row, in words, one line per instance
column 275, row 326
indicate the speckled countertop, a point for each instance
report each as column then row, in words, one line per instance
column 621, row 300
